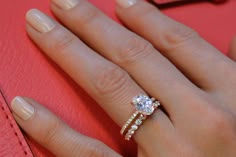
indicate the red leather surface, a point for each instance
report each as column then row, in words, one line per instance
column 24, row 70
column 11, row 138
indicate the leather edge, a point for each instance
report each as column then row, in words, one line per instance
column 15, row 129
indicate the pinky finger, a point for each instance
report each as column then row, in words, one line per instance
column 232, row 50
column 49, row 131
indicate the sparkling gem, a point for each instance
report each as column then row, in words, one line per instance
column 143, row 104
column 156, row 104
column 131, row 132
column 134, row 127
column 142, row 117
column 138, row 122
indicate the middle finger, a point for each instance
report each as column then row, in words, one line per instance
column 129, row 51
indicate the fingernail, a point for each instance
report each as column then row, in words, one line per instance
column 40, row 21
column 21, row 108
column 126, row 3
column 66, row 4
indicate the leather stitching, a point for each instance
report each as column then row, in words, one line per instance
column 13, row 128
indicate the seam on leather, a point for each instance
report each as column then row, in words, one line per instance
column 13, row 128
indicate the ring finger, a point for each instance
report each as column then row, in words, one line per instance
column 145, row 64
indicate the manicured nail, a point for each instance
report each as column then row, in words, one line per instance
column 126, row 3
column 40, row 21
column 21, row 108
column 66, row 4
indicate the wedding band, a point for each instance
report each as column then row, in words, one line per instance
column 134, row 127
column 128, row 122
column 145, row 106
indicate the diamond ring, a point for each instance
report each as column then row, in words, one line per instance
column 145, row 106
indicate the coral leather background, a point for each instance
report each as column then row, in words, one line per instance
column 24, row 70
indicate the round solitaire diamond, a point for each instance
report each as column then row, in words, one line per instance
column 143, row 104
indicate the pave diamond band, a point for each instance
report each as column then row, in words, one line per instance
column 144, row 106
column 128, row 122
column 138, row 122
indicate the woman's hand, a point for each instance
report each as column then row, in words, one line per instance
column 195, row 83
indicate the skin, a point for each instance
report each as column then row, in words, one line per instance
column 182, row 70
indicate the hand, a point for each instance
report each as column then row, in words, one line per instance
column 232, row 50
column 194, row 82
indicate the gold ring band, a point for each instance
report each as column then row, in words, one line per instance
column 145, row 106
column 128, row 122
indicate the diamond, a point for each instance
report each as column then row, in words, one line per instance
column 142, row 117
column 131, row 132
column 143, row 104
column 156, row 104
column 134, row 127
column 138, row 122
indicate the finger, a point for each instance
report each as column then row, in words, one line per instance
column 196, row 58
column 152, row 137
column 49, row 131
column 232, row 50
column 103, row 80
column 108, row 84
column 149, row 68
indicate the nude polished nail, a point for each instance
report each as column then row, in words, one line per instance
column 22, row 108
column 66, row 4
column 40, row 21
column 126, row 3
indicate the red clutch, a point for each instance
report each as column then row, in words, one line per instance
column 26, row 71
